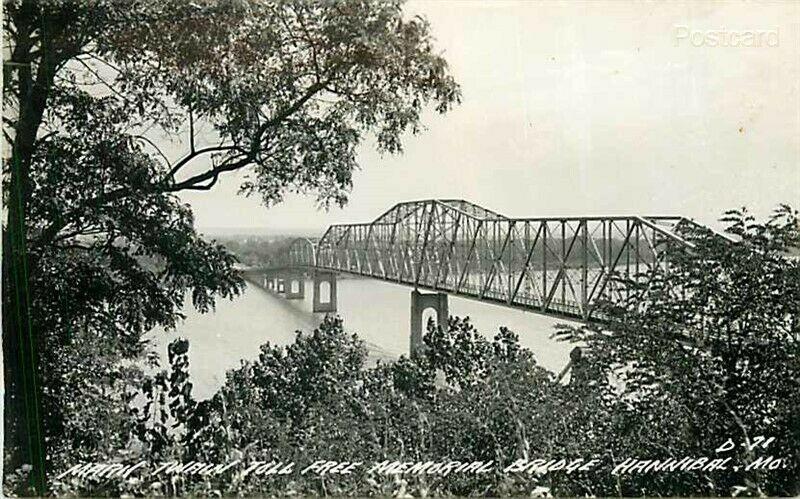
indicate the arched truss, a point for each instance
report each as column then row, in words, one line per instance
column 302, row 252
column 551, row 265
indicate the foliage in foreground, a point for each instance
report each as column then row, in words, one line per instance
column 98, row 242
column 708, row 352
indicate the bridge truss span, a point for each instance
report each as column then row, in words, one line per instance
column 563, row 266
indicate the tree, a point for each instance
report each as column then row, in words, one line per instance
column 704, row 352
column 98, row 240
column 707, row 351
column 300, row 402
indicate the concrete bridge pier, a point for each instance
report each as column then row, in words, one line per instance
column 324, row 279
column 295, row 286
column 269, row 281
column 419, row 303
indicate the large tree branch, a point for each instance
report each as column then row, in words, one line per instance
column 191, row 131
column 256, row 145
column 202, row 181
column 213, row 174
column 194, row 154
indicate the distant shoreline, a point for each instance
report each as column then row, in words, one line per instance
column 259, row 232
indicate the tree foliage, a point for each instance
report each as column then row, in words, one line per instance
column 100, row 244
column 710, row 350
column 706, row 353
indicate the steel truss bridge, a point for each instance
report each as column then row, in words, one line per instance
column 563, row 266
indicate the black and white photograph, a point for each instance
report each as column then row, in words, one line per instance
column 401, row 248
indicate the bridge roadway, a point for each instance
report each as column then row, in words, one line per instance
column 564, row 266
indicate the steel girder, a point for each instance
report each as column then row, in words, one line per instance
column 302, row 252
column 561, row 266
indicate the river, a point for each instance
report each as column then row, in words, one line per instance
column 375, row 310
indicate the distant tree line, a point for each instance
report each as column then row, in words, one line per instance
column 255, row 250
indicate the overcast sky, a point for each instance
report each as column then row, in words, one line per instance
column 585, row 109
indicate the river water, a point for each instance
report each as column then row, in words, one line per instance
column 375, row 310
